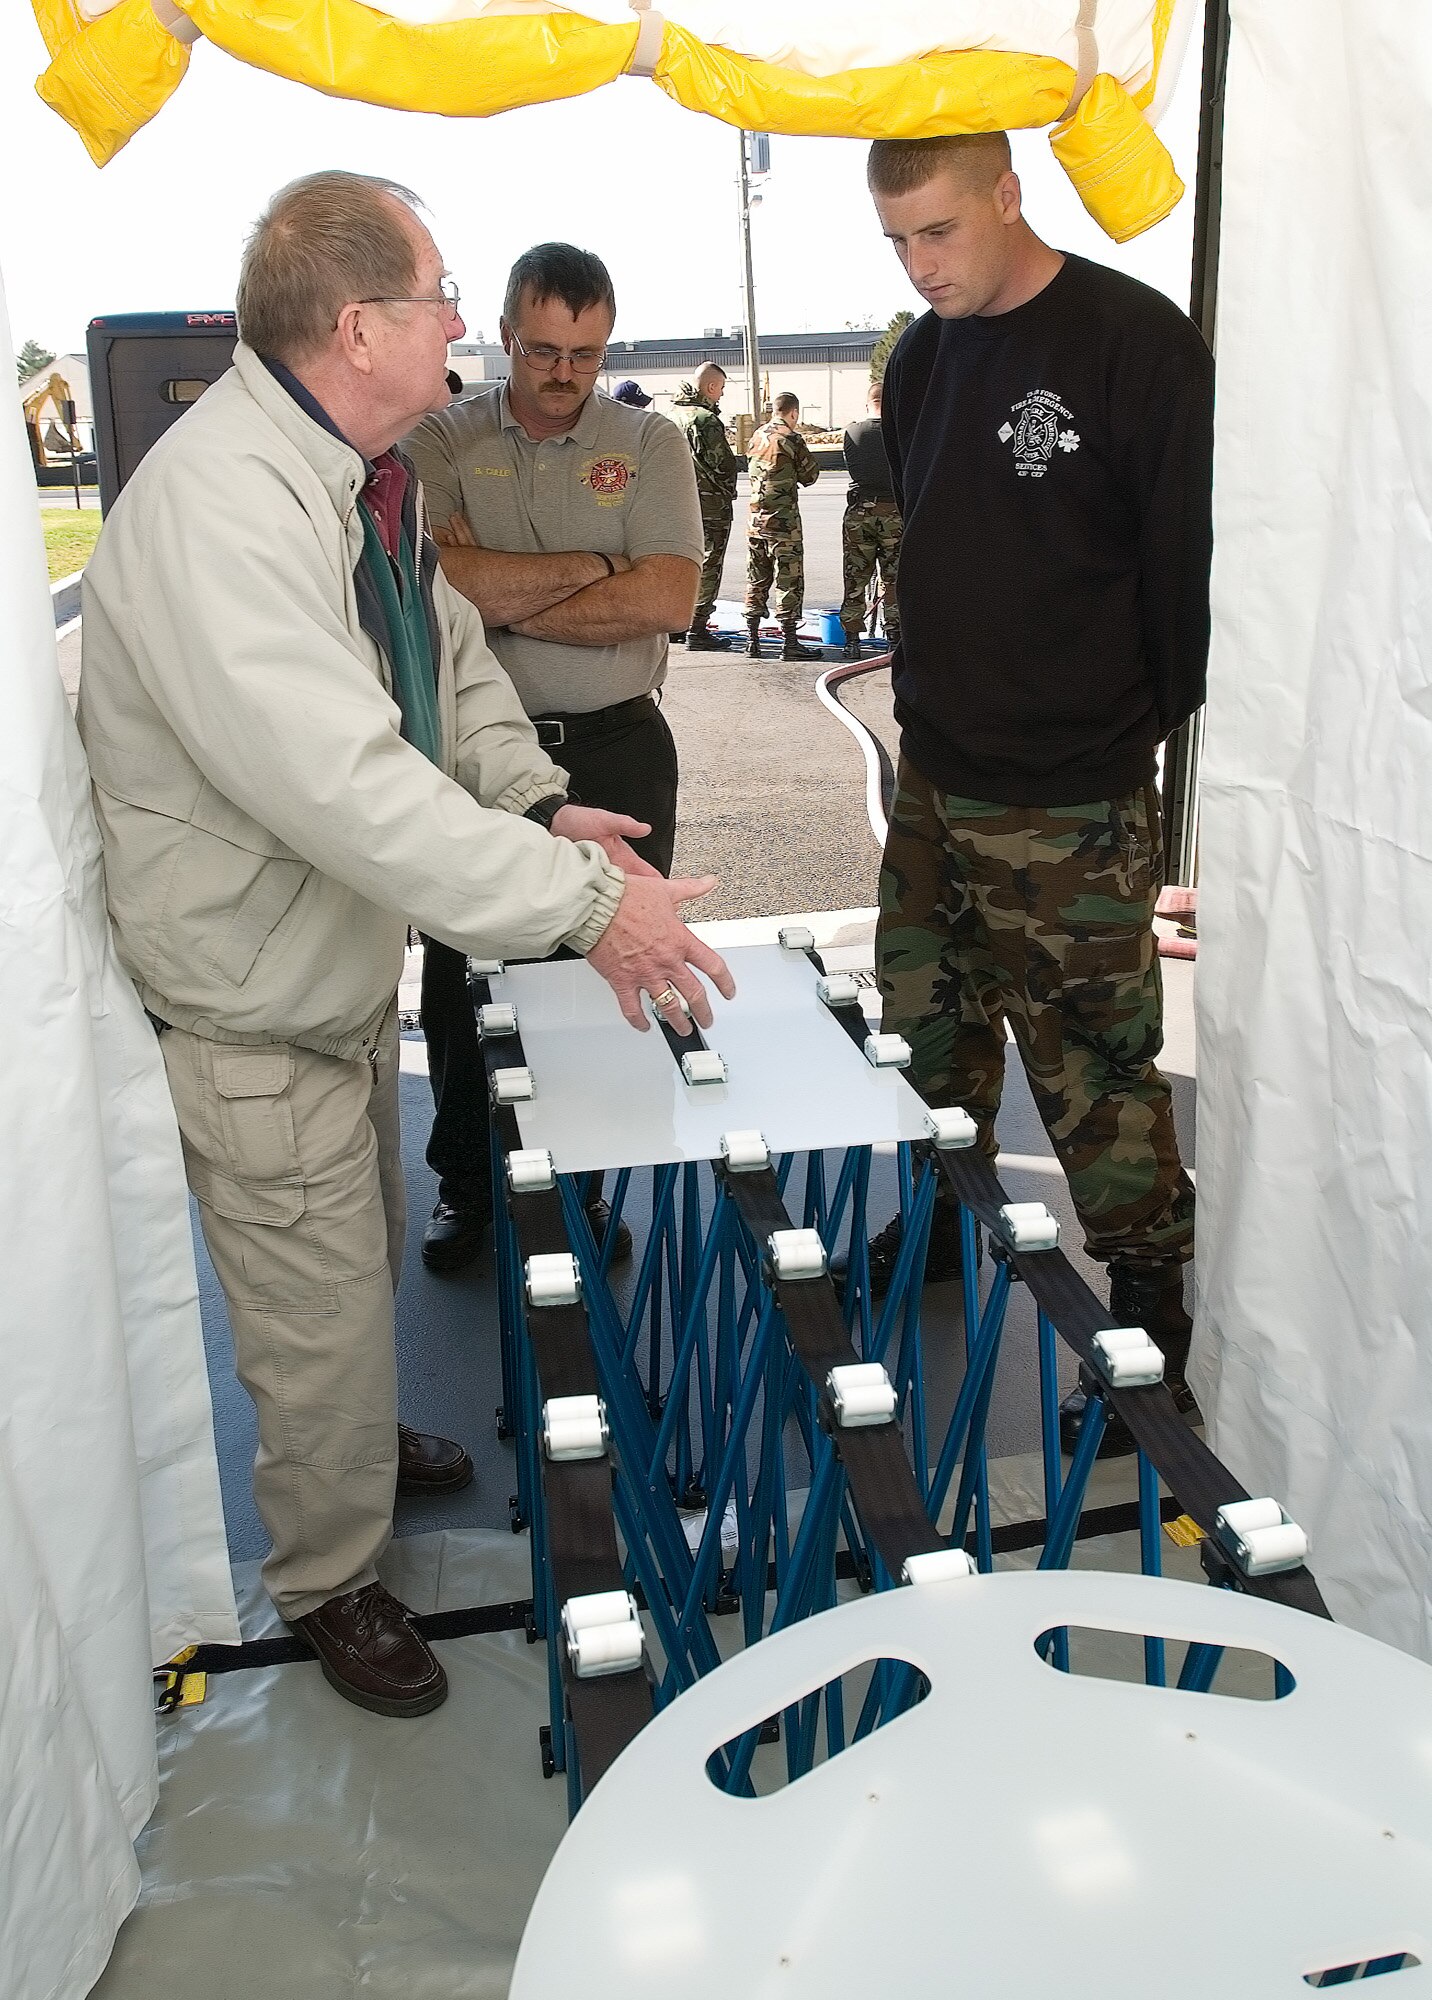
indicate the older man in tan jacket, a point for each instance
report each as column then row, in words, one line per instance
column 300, row 743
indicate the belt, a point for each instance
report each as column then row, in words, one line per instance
column 555, row 730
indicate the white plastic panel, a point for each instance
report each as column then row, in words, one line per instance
column 606, row 1096
column 1311, row 1818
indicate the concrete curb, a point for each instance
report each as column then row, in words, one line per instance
column 65, row 597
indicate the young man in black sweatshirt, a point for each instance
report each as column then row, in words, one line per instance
column 1049, row 429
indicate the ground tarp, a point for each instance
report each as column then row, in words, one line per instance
column 1315, row 979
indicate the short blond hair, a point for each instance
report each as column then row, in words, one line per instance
column 899, row 166
column 322, row 243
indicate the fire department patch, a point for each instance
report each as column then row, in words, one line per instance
column 608, row 478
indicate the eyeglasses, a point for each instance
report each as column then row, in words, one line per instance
column 447, row 295
column 581, row 360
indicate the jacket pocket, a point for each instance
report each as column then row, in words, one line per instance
column 258, row 914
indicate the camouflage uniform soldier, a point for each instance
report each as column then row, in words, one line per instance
column 697, row 409
column 1050, row 437
column 780, row 464
column 870, row 531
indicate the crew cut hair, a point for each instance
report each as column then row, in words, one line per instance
column 899, row 166
column 578, row 278
column 322, row 243
column 787, row 400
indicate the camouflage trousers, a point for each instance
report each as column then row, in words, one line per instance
column 1041, row 916
column 716, row 529
column 779, row 559
column 870, row 539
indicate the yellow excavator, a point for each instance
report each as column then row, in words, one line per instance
column 55, row 440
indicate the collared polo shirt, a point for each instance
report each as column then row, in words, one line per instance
column 620, row 482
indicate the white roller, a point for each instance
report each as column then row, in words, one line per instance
column 1127, row 1358
column 951, row 1130
column 1028, row 1225
column 512, row 1086
column 887, row 1051
column 530, row 1169
column 498, row 1017
column 839, row 989
column 1260, row 1537
column 1241, row 1515
column 796, row 937
column 553, row 1279
column 574, row 1427
column 485, row 968
column 796, row 1253
column 937, row 1566
column 1266, row 1551
column 745, row 1152
column 602, row 1633
column 703, row 1066
column 861, row 1393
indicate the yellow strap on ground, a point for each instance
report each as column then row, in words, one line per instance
column 1184, row 1533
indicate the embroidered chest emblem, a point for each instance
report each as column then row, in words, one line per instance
column 608, row 478
column 1036, row 432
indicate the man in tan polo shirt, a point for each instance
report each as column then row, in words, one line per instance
column 572, row 522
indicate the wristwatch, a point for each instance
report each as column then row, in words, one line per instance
column 546, row 810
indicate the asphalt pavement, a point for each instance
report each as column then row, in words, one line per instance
column 822, row 506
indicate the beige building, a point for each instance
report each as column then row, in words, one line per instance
column 830, row 372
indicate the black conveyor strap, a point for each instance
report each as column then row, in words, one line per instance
column 1182, row 1460
column 881, row 1481
column 608, row 1711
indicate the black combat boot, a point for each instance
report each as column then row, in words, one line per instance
column 944, row 1257
column 753, row 643
column 1150, row 1296
column 792, row 649
column 851, row 648
column 701, row 639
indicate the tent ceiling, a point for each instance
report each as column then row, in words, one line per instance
column 1096, row 71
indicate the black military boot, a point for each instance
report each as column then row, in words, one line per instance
column 753, row 643
column 792, row 649
column 944, row 1258
column 851, row 648
column 1150, row 1296
column 701, row 639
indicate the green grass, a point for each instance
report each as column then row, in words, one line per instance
column 70, row 536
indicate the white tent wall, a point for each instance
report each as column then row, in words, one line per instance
column 111, row 1527
column 1315, row 971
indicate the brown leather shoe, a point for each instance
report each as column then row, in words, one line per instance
column 431, row 1464
column 370, row 1653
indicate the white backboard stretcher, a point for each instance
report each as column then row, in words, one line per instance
column 606, row 1096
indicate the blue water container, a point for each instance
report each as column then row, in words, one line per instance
column 832, row 632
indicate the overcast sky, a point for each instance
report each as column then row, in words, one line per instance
column 624, row 172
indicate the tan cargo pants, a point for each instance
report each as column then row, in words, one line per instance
column 294, row 1158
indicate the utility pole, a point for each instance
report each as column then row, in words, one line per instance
column 756, row 141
